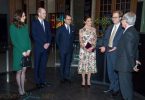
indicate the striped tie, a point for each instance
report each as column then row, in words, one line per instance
column 112, row 37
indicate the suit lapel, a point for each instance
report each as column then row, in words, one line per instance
column 118, row 31
column 110, row 31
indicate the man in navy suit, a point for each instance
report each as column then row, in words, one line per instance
column 110, row 42
column 127, row 55
column 64, row 38
column 42, row 38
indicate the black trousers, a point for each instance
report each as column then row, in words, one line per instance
column 65, row 61
column 126, row 85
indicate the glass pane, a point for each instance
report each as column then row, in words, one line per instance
column 105, row 7
column 118, row 7
column 105, row 1
column 122, row 0
column 109, row 1
column 109, row 7
column 128, row 6
column 123, row 6
column 102, row 8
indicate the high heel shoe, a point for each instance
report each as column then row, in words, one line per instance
column 88, row 86
column 83, row 85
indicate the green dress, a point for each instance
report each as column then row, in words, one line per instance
column 21, row 43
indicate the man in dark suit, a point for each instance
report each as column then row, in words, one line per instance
column 42, row 38
column 64, row 38
column 127, row 55
column 110, row 42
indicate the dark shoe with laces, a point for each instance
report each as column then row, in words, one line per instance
column 46, row 84
column 115, row 94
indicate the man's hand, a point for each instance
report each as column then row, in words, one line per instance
column 138, row 62
column 46, row 45
column 135, row 68
column 113, row 49
column 102, row 49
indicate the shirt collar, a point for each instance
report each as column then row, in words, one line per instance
column 40, row 20
column 127, row 27
column 117, row 25
column 66, row 25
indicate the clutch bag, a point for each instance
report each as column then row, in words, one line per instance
column 26, row 61
column 88, row 45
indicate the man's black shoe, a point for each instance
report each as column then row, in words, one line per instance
column 62, row 81
column 114, row 94
column 68, row 81
column 46, row 84
column 38, row 86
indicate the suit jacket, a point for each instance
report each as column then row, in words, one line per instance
column 127, row 50
column 40, row 36
column 108, row 34
column 64, row 39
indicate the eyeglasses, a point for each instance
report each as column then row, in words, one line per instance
column 115, row 17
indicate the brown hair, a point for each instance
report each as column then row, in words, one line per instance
column 119, row 12
column 66, row 15
column 86, row 17
column 17, row 18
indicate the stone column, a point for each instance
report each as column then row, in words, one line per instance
column 93, row 14
column 142, row 29
column 72, row 8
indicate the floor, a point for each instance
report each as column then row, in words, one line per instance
column 8, row 91
column 57, row 91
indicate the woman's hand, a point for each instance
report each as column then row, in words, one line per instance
column 28, row 52
column 24, row 54
column 90, row 49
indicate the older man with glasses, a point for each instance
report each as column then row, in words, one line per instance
column 127, row 55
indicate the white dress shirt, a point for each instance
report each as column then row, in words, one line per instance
column 67, row 26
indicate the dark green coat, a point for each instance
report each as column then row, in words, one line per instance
column 21, row 43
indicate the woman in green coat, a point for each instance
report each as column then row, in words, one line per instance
column 21, row 47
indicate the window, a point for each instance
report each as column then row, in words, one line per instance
column 123, row 5
column 106, row 8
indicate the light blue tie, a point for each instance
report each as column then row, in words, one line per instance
column 43, row 25
column 68, row 28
